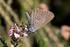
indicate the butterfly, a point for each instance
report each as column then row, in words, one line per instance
column 38, row 19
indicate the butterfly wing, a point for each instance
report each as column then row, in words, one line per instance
column 38, row 19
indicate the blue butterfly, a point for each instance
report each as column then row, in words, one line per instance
column 38, row 19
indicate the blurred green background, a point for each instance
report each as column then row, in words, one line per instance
column 13, row 11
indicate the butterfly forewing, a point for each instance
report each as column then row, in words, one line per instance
column 40, row 19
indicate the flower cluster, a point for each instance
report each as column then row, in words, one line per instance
column 18, row 31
